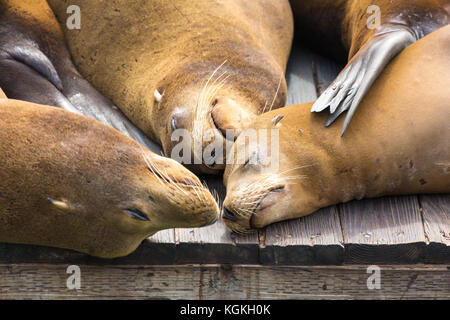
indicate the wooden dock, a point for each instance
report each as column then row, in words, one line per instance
column 322, row 255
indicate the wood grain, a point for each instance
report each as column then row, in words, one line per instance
column 436, row 218
column 48, row 281
column 383, row 229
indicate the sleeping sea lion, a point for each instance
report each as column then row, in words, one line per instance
column 35, row 66
column 202, row 66
column 71, row 182
column 372, row 32
column 398, row 145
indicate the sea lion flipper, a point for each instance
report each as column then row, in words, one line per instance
column 21, row 82
column 351, row 85
column 37, row 60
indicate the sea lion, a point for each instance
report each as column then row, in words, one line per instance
column 71, row 182
column 398, row 145
column 203, row 66
column 35, row 66
column 372, row 32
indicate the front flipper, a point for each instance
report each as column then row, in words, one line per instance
column 27, row 74
column 21, row 82
column 351, row 85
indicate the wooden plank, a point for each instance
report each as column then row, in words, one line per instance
column 312, row 240
column 48, row 281
column 384, row 230
column 215, row 243
column 315, row 239
column 299, row 76
column 325, row 71
column 436, row 217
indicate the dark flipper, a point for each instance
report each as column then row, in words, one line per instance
column 35, row 59
column 27, row 74
column 351, row 85
column 21, row 82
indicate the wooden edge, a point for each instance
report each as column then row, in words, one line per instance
column 170, row 254
column 44, row 281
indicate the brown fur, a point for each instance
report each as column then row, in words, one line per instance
column 127, row 49
column 398, row 145
column 67, row 181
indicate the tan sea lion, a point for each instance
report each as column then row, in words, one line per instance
column 71, row 182
column 372, row 32
column 35, row 66
column 398, row 145
column 195, row 65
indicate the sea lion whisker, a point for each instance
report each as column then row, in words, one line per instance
column 295, row 168
column 265, row 106
column 206, row 96
column 150, row 167
column 207, row 83
column 217, row 88
column 276, row 92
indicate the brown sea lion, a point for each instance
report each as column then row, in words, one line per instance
column 71, row 182
column 372, row 32
column 204, row 65
column 35, row 66
column 398, row 145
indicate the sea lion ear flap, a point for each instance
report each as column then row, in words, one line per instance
column 61, row 205
column 2, row 94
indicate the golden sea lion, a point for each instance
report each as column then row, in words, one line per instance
column 204, row 65
column 372, row 32
column 71, row 182
column 35, row 66
column 398, row 145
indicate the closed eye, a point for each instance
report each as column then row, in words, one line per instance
column 137, row 214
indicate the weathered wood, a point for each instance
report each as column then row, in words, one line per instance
column 383, row 229
column 48, row 281
column 299, row 76
column 215, row 243
column 436, row 218
column 311, row 240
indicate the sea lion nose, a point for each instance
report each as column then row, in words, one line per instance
column 229, row 116
column 227, row 214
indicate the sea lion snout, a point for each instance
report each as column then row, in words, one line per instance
column 182, row 200
column 250, row 206
column 229, row 117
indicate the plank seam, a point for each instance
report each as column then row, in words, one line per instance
column 315, row 75
column 427, row 239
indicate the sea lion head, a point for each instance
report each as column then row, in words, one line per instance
column 174, row 197
column 201, row 113
column 264, row 182
column 150, row 193
column 76, row 183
